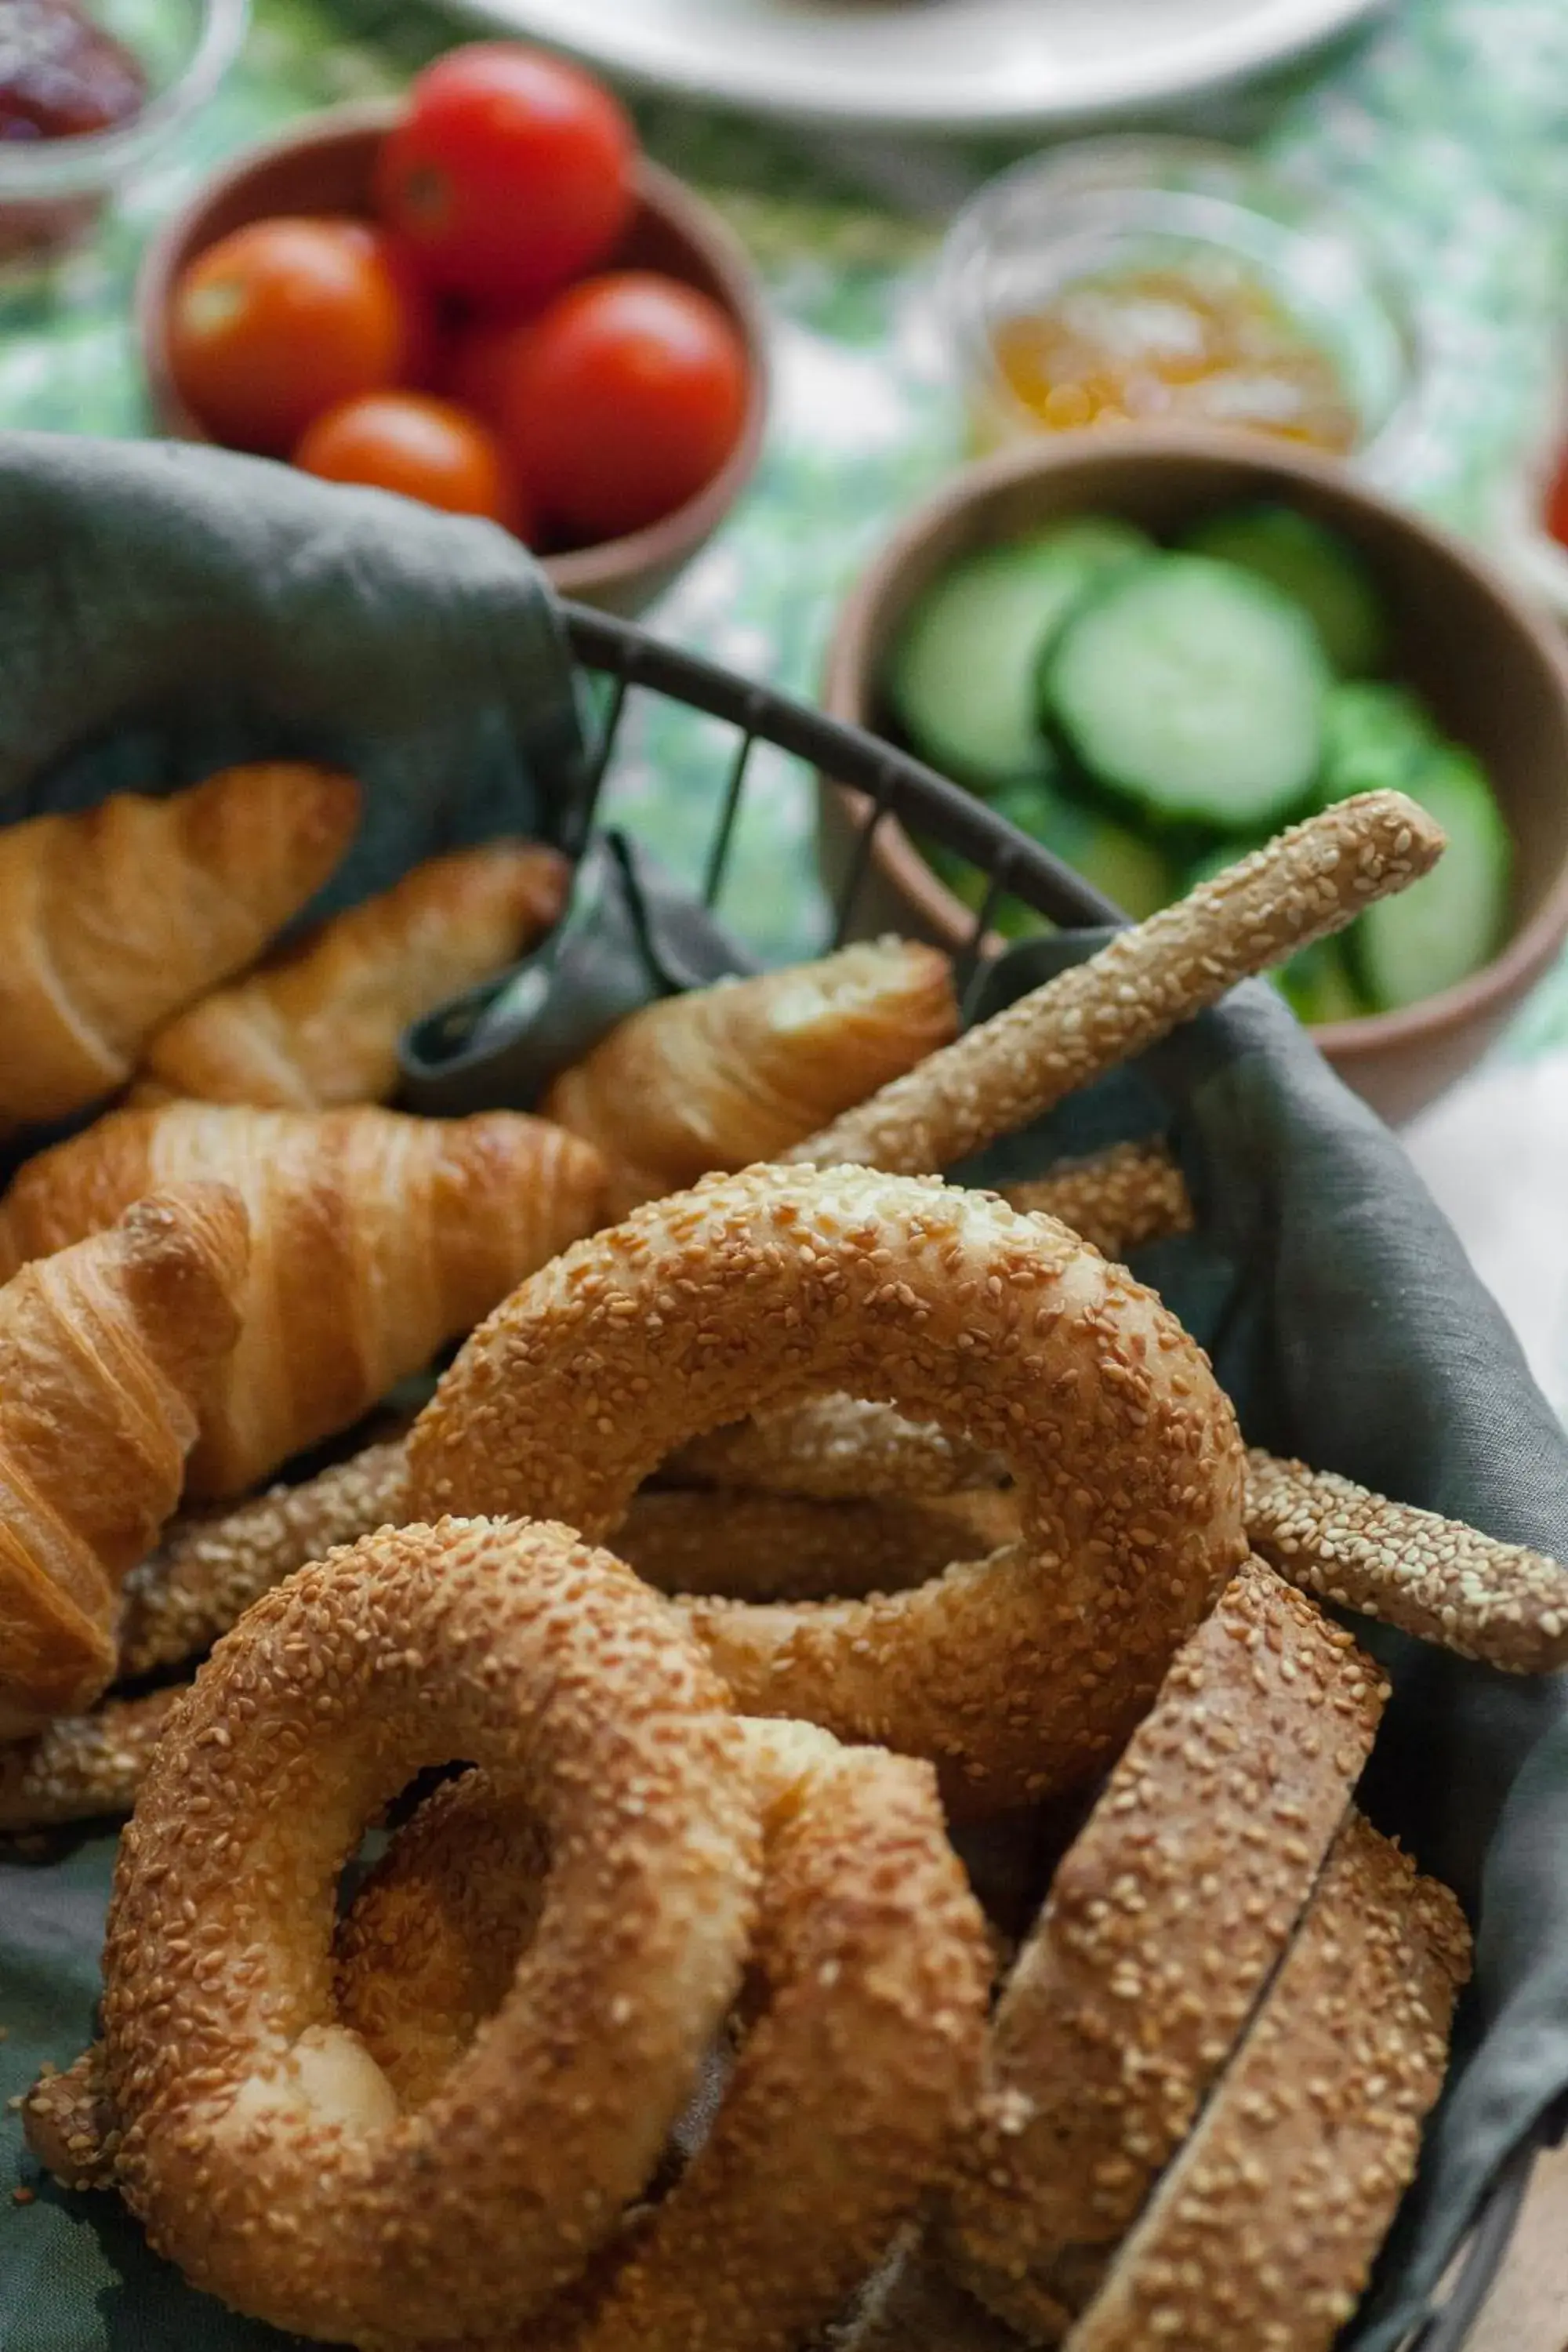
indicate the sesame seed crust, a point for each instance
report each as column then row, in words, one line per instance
column 851, row 2087
column 1303, row 886
column 1116, row 1200
column 1434, row 1578
column 1262, row 2233
column 1161, row 1928
column 1017, row 1675
column 834, row 1449
column 70, row 2126
column 263, row 2148
column 211, row 1565
column 761, row 1547
column 82, row 1768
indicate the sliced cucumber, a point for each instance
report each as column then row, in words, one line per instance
column 1318, row 985
column 1374, row 738
column 1194, row 691
column 961, row 674
column 1450, row 922
column 1312, row 565
column 1124, row 865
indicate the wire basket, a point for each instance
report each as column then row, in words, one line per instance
column 628, row 662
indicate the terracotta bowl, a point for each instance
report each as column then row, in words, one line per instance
column 1494, row 673
column 325, row 165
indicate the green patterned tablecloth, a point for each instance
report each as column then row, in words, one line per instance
column 1444, row 130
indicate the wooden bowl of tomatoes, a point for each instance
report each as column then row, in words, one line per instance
column 484, row 297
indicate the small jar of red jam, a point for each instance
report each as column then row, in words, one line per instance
column 81, row 114
column 62, row 75
column 1128, row 280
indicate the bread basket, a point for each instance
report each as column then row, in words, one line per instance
column 163, row 609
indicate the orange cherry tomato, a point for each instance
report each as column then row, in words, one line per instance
column 424, row 448
column 626, row 396
column 282, row 320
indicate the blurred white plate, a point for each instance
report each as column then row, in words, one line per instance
column 929, row 64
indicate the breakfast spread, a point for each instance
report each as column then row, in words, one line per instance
column 747, row 1544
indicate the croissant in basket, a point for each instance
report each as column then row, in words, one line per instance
column 713, row 1080
column 375, row 1237
column 105, row 1353
column 318, row 1025
column 116, row 918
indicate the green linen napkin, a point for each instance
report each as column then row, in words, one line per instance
column 161, row 609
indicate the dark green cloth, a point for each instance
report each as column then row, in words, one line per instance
column 163, row 609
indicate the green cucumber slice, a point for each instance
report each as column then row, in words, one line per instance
column 1448, row 924
column 960, row 679
column 1196, row 692
column 1374, row 738
column 1318, row 985
column 1123, row 865
column 1310, row 564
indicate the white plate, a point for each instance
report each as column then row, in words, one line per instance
column 929, row 64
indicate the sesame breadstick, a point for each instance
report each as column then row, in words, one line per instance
column 1301, row 888
column 1117, row 1200
column 834, row 1449
column 756, row 1546
column 1431, row 1577
column 70, row 2125
column 211, row 1565
column 82, row 1768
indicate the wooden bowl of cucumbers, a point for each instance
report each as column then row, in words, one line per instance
column 1152, row 649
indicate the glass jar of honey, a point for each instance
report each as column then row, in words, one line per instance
column 1131, row 280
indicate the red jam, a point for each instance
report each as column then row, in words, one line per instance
column 62, row 75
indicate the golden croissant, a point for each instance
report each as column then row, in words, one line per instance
column 736, row 1073
column 106, row 1351
column 375, row 1238
column 116, row 918
column 320, row 1024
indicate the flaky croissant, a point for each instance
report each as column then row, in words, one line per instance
column 375, row 1237
column 320, row 1024
column 116, row 918
column 736, row 1073
column 107, row 1352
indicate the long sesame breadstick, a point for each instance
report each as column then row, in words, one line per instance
column 834, row 1449
column 1431, row 1577
column 1117, row 1200
column 70, row 2126
column 211, row 1565
column 994, row 1079
column 755, row 1545
column 82, row 1768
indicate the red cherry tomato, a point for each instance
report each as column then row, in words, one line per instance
column 1557, row 504
column 422, row 337
column 627, row 395
column 510, row 174
column 280, row 321
column 479, row 360
column 427, row 449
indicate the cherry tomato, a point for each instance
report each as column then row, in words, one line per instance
column 626, row 397
column 421, row 336
column 1557, row 504
column 427, row 449
column 479, row 360
column 280, row 321
column 510, row 174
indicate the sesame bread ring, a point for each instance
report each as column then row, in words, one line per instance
column 262, row 2145
column 1162, row 1929
column 851, row 2084
column 1019, row 1674
column 1263, row 2231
